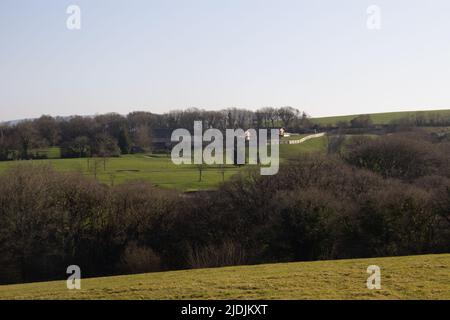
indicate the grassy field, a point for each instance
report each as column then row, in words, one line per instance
column 382, row 118
column 294, row 137
column 413, row 277
column 289, row 151
column 158, row 169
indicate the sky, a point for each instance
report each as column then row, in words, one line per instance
column 159, row 55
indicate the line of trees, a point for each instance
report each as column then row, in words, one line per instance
column 114, row 134
column 377, row 197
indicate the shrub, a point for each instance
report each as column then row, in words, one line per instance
column 397, row 157
column 48, row 220
column 395, row 220
column 138, row 259
column 227, row 253
column 303, row 225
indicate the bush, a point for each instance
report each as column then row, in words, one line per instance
column 226, row 254
column 304, row 225
column 137, row 259
column 398, row 157
column 395, row 220
column 362, row 121
column 48, row 220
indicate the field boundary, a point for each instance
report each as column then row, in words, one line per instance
column 304, row 139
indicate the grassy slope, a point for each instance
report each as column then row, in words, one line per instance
column 294, row 137
column 288, row 151
column 413, row 277
column 382, row 118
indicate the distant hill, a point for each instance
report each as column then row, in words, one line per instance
column 14, row 122
column 382, row 118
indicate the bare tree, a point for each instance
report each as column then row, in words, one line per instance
column 288, row 115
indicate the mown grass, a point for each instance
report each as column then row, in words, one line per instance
column 383, row 118
column 412, row 277
column 294, row 137
column 158, row 169
column 292, row 151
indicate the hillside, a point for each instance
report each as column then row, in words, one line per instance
column 382, row 118
column 413, row 277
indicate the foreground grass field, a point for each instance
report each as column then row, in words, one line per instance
column 413, row 277
column 383, row 118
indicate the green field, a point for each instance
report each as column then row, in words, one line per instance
column 294, row 137
column 158, row 169
column 382, row 118
column 290, row 151
column 413, row 277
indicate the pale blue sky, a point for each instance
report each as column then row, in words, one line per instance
column 160, row 55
